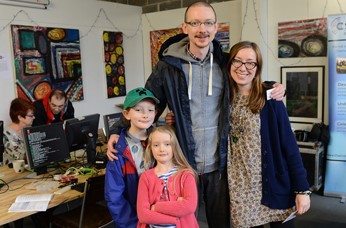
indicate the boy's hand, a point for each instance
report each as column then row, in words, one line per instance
column 278, row 92
column 113, row 139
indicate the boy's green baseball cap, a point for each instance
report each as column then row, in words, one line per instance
column 136, row 95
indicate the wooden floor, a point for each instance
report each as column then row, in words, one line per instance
column 325, row 212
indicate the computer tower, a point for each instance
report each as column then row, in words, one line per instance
column 313, row 159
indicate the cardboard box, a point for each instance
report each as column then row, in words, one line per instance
column 313, row 157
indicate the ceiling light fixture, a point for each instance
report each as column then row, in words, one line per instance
column 37, row 4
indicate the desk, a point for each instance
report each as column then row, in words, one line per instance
column 7, row 198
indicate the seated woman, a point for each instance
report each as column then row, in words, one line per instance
column 22, row 115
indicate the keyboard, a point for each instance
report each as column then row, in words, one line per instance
column 79, row 187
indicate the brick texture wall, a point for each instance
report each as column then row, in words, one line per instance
column 150, row 6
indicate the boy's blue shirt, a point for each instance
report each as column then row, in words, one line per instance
column 121, row 185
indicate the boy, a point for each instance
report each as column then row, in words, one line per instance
column 122, row 175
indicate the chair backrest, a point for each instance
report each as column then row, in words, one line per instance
column 93, row 196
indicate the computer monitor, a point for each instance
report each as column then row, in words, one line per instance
column 45, row 145
column 81, row 133
column 109, row 122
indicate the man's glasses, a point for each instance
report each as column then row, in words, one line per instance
column 248, row 65
column 30, row 115
column 198, row 23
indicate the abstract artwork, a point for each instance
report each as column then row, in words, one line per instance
column 158, row 37
column 45, row 59
column 114, row 64
column 303, row 38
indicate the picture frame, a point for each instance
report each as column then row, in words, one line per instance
column 304, row 98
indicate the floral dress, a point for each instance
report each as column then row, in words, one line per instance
column 14, row 146
column 244, row 169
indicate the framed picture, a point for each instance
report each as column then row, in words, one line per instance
column 304, row 96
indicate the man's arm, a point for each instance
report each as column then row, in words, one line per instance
column 114, row 136
column 278, row 92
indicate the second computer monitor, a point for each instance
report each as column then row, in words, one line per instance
column 109, row 122
column 82, row 133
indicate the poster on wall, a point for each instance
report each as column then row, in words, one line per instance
column 158, row 37
column 335, row 184
column 302, row 38
column 114, row 64
column 47, row 58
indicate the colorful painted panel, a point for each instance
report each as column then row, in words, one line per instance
column 158, row 37
column 303, row 38
column 47, row 58
column 114, row 64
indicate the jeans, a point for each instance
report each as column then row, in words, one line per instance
column 213, row 190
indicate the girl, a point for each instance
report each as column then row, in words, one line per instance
column 167, row 193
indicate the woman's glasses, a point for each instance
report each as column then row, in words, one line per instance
column 248, row 65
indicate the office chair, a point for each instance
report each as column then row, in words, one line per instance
column 92, row 213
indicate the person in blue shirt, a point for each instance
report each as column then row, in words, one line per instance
column 122, row 175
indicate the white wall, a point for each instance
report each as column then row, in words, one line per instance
column 80, row 14
column 270, row 13
column 254, row 20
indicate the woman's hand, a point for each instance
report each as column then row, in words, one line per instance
column 302, row 203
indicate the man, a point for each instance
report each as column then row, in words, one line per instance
column 189, row 78
column 55, row 107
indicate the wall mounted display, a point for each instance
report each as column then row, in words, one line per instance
column 304, row 98
column 302, row 38
column 158, row 37
column 114, row 64
column 47, row 58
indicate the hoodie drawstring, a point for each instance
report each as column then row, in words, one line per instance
column 190, row 80
column 210, row 85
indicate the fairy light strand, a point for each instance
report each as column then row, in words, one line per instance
column 101, row 12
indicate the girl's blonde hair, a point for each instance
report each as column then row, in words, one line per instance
column 178, row 157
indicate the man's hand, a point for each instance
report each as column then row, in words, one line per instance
column 170, row 118
column 278, row 92
column 113, row 139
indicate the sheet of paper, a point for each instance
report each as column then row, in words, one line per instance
column 29, row 206
column 268, row 94
column 33, row 202
column 291, row 216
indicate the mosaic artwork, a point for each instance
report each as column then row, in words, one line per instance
column 158, row 37
column 114, row 64
column 302, row 38
column 47, row 58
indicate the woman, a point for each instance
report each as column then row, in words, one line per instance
column 22, row 115
column 265, row 171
